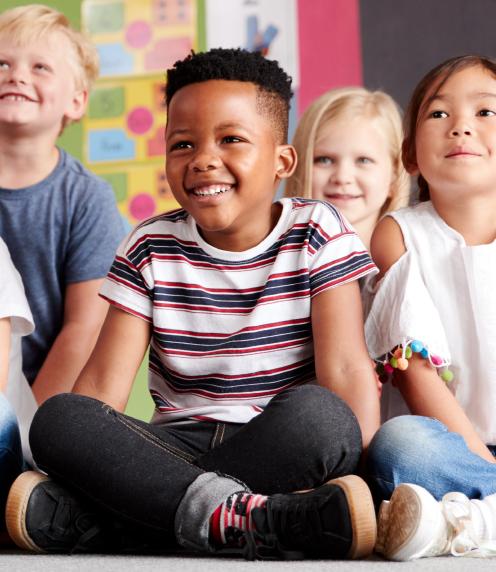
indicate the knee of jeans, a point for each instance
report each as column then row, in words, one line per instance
column 53, row 420
column 323, row 419
column 402, row 442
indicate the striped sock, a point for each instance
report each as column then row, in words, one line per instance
column 232, row 518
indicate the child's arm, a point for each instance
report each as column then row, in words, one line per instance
column 4, row 351
column 341, row 359
column 427, row 394
column 84, row 312
column 113, row 364
column 423, row 390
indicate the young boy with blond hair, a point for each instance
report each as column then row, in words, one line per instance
column 59, row 221
column 258, row 367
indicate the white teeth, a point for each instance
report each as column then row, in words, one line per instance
column 15, row 98
column 211, row 190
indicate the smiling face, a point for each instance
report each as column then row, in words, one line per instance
column 352, row 168
column 456, row 135
column 224, row 163
column 37, row 86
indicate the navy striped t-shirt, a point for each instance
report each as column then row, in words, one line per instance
column 231, row 329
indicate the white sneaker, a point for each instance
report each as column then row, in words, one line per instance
column 414, row 525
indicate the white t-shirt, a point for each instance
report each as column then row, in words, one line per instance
column 13, row 305
column 442, row 293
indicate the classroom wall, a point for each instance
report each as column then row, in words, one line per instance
column 382, row 44
column 402, row 40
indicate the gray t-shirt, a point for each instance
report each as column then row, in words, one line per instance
column 62, row 230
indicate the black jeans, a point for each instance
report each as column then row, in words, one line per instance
column 142, row 472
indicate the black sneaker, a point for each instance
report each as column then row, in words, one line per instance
column 43, row 516
column 336, row 520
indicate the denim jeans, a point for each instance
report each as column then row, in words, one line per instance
column 421, row 450
column 171, row 478
column 11, row 462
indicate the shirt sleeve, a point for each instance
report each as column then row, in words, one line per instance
column 337, row 255
column 125, row 286
column 96, row 230
column 13, row 302
column 402, row 312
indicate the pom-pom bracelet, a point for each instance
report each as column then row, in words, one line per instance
column 400, row 356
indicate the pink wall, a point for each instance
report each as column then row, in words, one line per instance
column 330, row 48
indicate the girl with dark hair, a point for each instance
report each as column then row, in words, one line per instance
column 432, row 327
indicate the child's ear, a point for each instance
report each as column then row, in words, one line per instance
column 77, row 106
column 285, row 161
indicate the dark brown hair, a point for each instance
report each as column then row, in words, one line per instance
column 433, row 81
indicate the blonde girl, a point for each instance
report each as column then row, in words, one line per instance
column 349, row 149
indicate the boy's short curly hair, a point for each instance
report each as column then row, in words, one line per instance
column 272, row 82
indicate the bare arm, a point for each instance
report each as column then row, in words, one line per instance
column 112, row 367
column 4, row 351
column 84, row 312
column 423, row 390
column 427, row 394
column 341, row 359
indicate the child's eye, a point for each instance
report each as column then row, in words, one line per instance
column 41, row 66
column 4, row 65
column 231, row 139
column 486, row 113
column 180, row 145
column 365, row 160
column 323, row 161
column 438, row 114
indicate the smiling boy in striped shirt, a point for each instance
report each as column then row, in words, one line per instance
column 258, row 366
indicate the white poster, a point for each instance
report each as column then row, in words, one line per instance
column 269, row 26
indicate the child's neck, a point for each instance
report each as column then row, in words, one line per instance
column 364, row 229
column 26, row 161
column 473, row 217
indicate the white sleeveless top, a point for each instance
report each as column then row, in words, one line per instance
column 442, row 293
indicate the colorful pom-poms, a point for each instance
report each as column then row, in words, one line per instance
column 447, row 375
column 417, row 346
column 436, row 360
column 388, row 368
column 399, row 358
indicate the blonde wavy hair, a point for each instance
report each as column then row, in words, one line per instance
column 349, row 102
column 27, row 23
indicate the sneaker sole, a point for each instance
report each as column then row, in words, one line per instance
column 400, row 536
column 15, row 511
column 362, row 515
column 381, row 530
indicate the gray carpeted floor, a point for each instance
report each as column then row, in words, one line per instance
column 16, row 561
